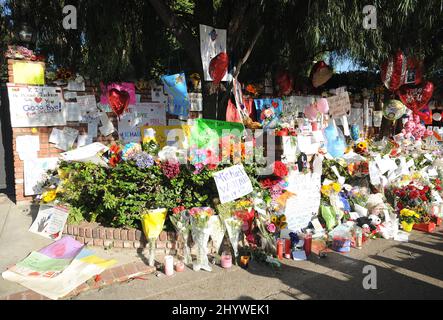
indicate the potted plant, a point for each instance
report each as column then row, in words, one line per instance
column 408, row 218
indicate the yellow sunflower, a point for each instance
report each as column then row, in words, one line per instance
column 49, row 196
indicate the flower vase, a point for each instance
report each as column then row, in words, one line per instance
column 201, row 238
column 407, row 226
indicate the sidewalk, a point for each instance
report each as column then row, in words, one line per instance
column 404, row 270
column 16, row 242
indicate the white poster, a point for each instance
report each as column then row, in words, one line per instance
column 196, row 101
column 139, row 115
column 63, row 139
column 232, row 183
column 158, row 94
column 33, row 106
column 212, row 42
column 301, row 208
column 35, row 171
column 27, row 146
column 87, row 103
column 50, row 222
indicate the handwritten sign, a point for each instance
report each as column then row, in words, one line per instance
column 141, row 114
column 232, row 183
column 301, row 208
column 32, row 106
column 50, row 222
column 339, row 105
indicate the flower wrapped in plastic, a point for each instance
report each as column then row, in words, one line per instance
column 217, row 231
column 152, row 223
column 200, row 233
column 232, row 223
column 181, row 221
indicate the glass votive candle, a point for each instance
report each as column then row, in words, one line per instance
column 169, row 265
column 226, row 260
column 179, row 266
column 244, row 262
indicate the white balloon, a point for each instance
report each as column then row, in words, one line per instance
column 436, row 116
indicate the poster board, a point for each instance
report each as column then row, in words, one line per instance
column 139, row 115
column 212, row 42
column 339, row 105
column 32, row 106
column 304, row 205
column 27, row 72
column 50, row 221
column 34, row 171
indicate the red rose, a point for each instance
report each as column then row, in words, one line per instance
column 414, row 194
column 423, row 197
column 113, row 161
column 280, row 169
column 250, row 238
column 438, row 188
column 402, row 194
column 212, row 166
column 400, row 206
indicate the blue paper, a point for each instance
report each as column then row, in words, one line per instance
column 269, row 112
column 175, row 86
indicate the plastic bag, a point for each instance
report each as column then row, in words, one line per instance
column 328, row 214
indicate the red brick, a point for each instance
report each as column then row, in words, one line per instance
column 119, row 273
column 108, row 243
column 80, row 239
column 163, row 236
column 142, row 267
column 171, row 236
column 65, row 229
column 118, row 244
column 95, row 233
column 117, row 234
column 138, row 235
column 170, row 245
column 98, row 242
column 75, row 231
column 128, row 244
column 138, row 244
column 89, row 241
column 81, row 232
column 88, row 232
column 161, row 245
column 109, row 233
column 82, row 288
column 70, row 228
column 107, row 277
column 102, row 233
column 130, row 269
column 123, row 234
column 131, row 235
column 17, row 296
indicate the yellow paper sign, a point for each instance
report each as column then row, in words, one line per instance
column 164, row 135
column 26, row 72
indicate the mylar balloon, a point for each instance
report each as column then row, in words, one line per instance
column 393, row 110
column 393, row 71
column 425, row 115
column 284, row 82
column 218, row 67
column 416, row 97
column 336, row 141
column 320, row 74
column 355, row 132
column 311, row 112
column 436, row 116
column 323, row 106
column 118, row 100
column 415, row 71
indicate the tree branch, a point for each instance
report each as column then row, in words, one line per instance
column 183, row 35
column 249, row 51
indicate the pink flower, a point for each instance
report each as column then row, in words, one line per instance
column 271, row 227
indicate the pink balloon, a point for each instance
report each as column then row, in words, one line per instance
column 323, row 106
column 311, row 112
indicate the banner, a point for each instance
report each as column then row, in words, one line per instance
column 212, row 42
column 207, row 133
column 175, row 87
column 32, row 106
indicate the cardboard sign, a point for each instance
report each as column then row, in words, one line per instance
column 196, row 101
column 339, row 105
column 139, row 115
column 50, row 222
column 32, row 106
column 301, row 208
column 34, row 172
column 232, row 183
column 28, row 72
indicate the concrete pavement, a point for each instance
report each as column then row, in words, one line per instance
column 412, row 270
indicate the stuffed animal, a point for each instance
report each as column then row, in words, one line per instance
column 369, row 223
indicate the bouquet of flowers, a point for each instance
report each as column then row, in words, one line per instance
column 181, row 221
column 152, row 223
column 232, row 223
column 200, row 233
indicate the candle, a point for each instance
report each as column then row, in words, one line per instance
column 308, row 244
column 226, row 260
column 169, row 265
column 244, row 262
column 179, row 266
column 288, row 246
column 280, row 249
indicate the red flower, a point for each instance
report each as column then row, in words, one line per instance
column 280, row 169
column 425, row 190
column 178, row 210
column 402, row 194
column 250, row 238
column 438, row 188
column 437, row 181
column 423, row 197
column 212, row 166
column 115, row 149
column 400, row 206
column 268, row 183
column 114, row 161
column 414, row 194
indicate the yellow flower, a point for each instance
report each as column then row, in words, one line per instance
column 283, row 219
column 336, row 187
column 49, row 196
column 326, row 189
column 416, row 175
column 283, row 225
column 274, row 219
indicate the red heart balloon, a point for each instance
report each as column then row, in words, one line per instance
column 284, row 82
column 118, row 100
column 416, row 97
column 394, row 71
column 219, row 67
column 426, row 115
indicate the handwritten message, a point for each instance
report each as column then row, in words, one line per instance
column 232, row 183
column 339, row 105
column 50, row 222
column 33, row 106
